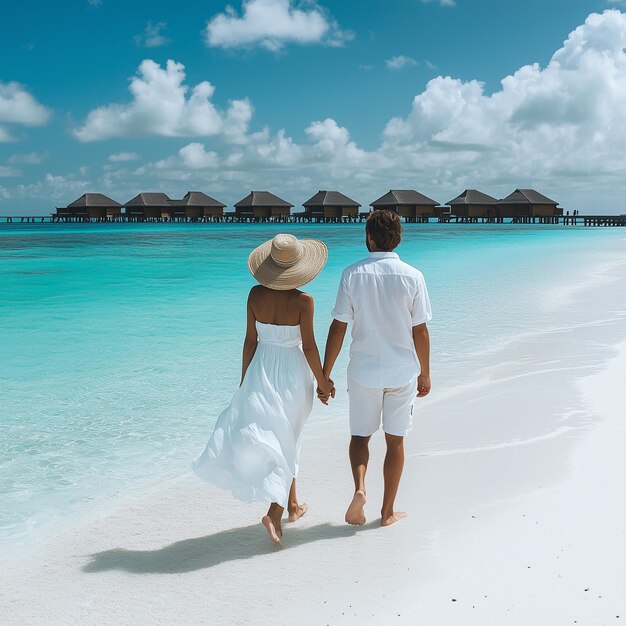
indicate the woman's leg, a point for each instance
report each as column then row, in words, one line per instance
column 272, row 523
column 295, row 510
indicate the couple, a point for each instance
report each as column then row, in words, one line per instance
column 255, row 446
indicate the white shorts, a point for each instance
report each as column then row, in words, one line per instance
column 393, row 404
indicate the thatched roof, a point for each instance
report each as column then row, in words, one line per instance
column 396, row 197
column 199, row 199
column 330, row 198
column 526, row 196
column 88, row 200
column 472, row 196
column 262, row 199
column 153, row 199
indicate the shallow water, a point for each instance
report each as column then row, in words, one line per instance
column 120, row 343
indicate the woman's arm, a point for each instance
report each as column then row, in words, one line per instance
column 309, row 346
column 250, row 342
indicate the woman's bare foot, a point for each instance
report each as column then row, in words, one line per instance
column 355, row 514
column 299, row 511
column 388, row 520
column 273, row 530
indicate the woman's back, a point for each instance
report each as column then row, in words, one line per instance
column 280, row 308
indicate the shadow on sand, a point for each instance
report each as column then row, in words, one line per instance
column 204, row 552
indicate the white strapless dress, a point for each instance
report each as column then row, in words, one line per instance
column 255, row 446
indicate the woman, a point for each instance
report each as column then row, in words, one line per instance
column 254, row 448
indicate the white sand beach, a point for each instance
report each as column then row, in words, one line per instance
column 513, row 485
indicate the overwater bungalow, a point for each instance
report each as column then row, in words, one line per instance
column 195, row 206
column 90, row 206
column 330, row 206
column 149, row 206
column 261, row 206
column 473, row 204
column 525, row 204
column 408, row 203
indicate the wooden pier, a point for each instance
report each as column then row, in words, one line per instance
column 603, row 220
column 302, row 218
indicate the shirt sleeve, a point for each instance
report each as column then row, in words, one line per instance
column 343, row 311
column 421, row 311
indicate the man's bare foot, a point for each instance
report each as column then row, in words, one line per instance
column 276, row 534
column 301, row 509
column 392, row 519
column 355, row 514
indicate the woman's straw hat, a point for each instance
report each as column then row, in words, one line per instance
column 286, row 262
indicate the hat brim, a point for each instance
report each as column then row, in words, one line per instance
column 267, row 272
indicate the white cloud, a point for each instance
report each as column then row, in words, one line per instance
column 271, row 24
column 94, row 3
column 443, row 3
column 400, row 61
column 17, row 106
column 152, row 36
column 8, row 171
column 329, row 151
column 193, row 156
column 32, row 158
column 163, row 105
column 279, row 151
column 565, row 120
column 334, row 147
column 53, row 188
column 120, row 157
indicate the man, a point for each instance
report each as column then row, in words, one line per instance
column 387, row 303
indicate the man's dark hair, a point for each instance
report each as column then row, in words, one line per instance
column 385, row 228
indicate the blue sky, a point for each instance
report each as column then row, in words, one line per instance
column 323, row 98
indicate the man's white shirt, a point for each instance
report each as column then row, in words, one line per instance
column 383, row 298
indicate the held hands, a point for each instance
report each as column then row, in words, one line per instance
column 325, row 391
column 423, row 385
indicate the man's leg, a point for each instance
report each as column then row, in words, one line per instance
column 366, row 407
column 397, row 422
column 359, row 457
column 392, row 472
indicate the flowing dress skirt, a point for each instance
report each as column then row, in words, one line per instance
column 254, row 449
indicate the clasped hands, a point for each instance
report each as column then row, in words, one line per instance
column 325, row 391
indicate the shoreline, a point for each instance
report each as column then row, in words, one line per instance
column 481, row 473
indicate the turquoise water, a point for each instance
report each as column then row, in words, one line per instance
column 120, row 343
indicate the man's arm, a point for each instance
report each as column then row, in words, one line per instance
column 421, row 339
column 334, row 343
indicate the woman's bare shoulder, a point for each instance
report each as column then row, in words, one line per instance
column 305, row 300
column 256, row 292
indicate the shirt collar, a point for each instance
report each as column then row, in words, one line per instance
column 384, row 255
